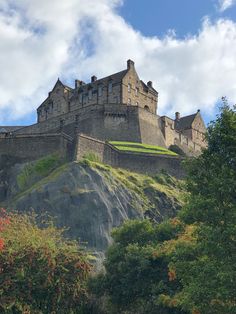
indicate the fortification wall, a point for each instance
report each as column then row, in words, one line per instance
column 150, row 129
column 105, row 122
column 30, row 147
column 189, row 147
column 142, row 163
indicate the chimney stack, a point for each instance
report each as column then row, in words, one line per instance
column 93, row 79
column 177, row 116
column 149, row 84
column 130, row 64
column 78, row 83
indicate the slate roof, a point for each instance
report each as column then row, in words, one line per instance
column 116, row 77
column 5, row 129
column 146, row 87
column 185, row 122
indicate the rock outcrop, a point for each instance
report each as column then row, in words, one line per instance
column 90, row 198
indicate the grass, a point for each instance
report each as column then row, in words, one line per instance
column 141, row 148
column 36, row 170
column 140, row 183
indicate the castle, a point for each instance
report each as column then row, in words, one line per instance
column 119, row 107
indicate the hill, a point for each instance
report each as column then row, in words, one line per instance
column 88, row 197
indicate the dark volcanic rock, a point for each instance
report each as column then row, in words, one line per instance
column 90, row 200
column 82, row 199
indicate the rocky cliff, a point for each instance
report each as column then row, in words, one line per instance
column 88, row 198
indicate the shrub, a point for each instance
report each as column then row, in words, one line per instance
column 40, row 271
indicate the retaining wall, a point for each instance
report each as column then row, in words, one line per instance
column 34, row 146
column 142, row 163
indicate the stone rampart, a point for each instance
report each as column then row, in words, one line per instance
column 142, row 163
column 34, row 146
column 105, row 122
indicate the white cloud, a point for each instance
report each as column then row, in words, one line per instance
column 225, row 4
column 41, row 40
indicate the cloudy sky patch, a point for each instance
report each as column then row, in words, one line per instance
column 44, row 40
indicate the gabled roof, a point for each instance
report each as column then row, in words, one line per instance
column 116, row 77
column 149, row 87
column 185, row 122
column 59, row 82
column 5, row 129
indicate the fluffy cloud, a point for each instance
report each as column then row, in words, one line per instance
column 41, row 40
column 225, row 4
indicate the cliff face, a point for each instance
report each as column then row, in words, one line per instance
column 89, row 198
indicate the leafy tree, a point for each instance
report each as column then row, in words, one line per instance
column 40, row 272
column 207, row 270
column 137, row 277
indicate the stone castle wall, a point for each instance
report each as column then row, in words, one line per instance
column 30, row 147
column 105, row 122
column 142, row 163
column 183, row 141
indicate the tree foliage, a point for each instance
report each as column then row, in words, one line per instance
column 40, row 272
column 137, row 276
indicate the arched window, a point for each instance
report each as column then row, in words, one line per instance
column 146, row 108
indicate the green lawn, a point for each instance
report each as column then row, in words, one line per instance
column 141, row 148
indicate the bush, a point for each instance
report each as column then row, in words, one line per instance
column 40, row 271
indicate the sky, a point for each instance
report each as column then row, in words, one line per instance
column 186, row 47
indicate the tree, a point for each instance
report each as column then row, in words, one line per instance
column 207, row 270
column 137, row 275
column 40, row 272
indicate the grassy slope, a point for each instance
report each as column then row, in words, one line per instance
column 150, row 189
column 144, row 185
column 141, row 148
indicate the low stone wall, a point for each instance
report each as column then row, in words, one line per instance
column 86, row 145
column 34, row 146
column 142, row 163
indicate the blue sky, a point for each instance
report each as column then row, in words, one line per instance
column 186, row 47
column 155, row 17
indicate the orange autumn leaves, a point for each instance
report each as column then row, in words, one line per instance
column 4, row 222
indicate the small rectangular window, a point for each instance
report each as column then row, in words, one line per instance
column 129, row 101
column 136, row 91
column 100, row 90
column 80, row 97
column 90, row 94
column 129, row 88
column 110, row 87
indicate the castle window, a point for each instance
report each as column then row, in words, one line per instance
column 90, row 94
column 110, row 87
column 137, row 103
column 129, row 88
column 146, row 108
column 136, row 91
column 129, row 101
column 80, row 97
column 100, row 90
